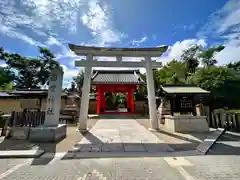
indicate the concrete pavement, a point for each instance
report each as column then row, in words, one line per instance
column 152, row 168
column 143, row 156
column 125, row 135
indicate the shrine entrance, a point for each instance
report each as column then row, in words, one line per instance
column 119, row 53
column 115, row 99
column 115, row 90
column 116, row 102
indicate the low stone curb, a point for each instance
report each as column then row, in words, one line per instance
column 21, row 153
column 87, row 155
column 204, row 147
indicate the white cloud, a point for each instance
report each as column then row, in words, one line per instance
column 67, row 56
column 41, row 17
column 53, row 41
column 229, row 54
column 140, row 41
column 225, row 25
column 97, row 19
column 175, row 51
column 43, row 23
column 68, row 74
column 48, row 19
column 10, row 31
column 3, row 65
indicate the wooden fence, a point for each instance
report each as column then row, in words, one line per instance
column 35, row 118
column 222, row 119
column 29, row 118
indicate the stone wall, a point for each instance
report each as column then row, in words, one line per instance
column 7, row 105
column 185, row 123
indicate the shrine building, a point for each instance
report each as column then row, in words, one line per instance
column 123, row 83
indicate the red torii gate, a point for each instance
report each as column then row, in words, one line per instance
column 112, row 82
column 101, row 100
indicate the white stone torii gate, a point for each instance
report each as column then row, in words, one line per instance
column 147, row 63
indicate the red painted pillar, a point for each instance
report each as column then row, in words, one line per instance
column 103, row 103
column 98, row 99
column 132, row 101
column 129, row 100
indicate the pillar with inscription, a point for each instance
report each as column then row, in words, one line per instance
column 51, row 131
column 53, row 105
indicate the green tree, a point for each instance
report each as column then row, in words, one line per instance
column 30, row 72
column 6, row 77
column 222, row 82
column 190, row 58
column 78, row 80
column 208, row 56
column 47, row 64
column 172, row 73
column 235, row 65
column 211, row 77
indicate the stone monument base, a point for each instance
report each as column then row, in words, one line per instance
column 186, row 123
column 20, row 133
column 48, row 134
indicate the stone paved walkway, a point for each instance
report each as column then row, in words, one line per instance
column 121, row 135
column 152, row 168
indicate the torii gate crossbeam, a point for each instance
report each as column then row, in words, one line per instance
column 130, row 64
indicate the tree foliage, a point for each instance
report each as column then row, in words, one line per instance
column 208, row 56
column 222, row 81
column 235, row 66
column 30, row 72
column 173, row 73
column 190, row 59
column 78, row 80
column 6, row 77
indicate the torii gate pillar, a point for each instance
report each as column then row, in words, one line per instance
column 82, row 124
column 151, row 95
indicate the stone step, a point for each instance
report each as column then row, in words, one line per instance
column 21, row 153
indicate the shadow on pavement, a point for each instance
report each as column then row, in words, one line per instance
column 227, row 144
column 7, row 144
column 180, row 137
column 99, row 149
column 50, row 151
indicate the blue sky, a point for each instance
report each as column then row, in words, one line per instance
column 27, row 24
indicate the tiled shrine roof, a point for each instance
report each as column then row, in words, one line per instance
column 116, row 77
column 183, row 89
column 25, row 93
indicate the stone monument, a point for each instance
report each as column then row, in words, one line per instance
column 51, row 130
